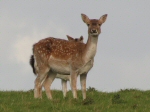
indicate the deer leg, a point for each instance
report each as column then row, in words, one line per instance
column 64, row 87
column 40, row 94
column 74, row 84
column 42, row 84
column 70, row 81
column 38, row 85
column 47, row 83
column 83, row 84
column 37, row 88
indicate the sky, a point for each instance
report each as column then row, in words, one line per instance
column 122, row 60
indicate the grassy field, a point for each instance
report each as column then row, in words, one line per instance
column 128, row 100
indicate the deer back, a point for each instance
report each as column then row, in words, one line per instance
column 58, row 49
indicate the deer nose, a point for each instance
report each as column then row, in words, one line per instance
column 93, row 31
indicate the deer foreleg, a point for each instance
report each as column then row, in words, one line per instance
column 74, row 83
column 83, row 84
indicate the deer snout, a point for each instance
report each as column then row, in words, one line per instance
column 93, row 31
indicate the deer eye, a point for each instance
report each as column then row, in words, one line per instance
column 99, row 24
column 88, row 24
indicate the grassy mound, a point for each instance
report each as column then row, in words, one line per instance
column 128, row 100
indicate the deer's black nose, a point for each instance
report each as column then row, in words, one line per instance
column 93, row 31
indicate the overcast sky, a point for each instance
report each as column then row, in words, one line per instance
column 123, row 54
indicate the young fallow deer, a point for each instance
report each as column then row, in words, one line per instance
column 64, row 78
column 54, row 56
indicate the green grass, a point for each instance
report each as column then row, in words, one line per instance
column 128, row 100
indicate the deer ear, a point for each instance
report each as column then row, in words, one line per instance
column 70, row 38
column 103, row 19
column 81, row 38
column 85, row 18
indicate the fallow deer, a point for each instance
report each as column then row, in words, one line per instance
column 54, row 56
column 64, row 78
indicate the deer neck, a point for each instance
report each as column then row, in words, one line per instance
column 90, row 48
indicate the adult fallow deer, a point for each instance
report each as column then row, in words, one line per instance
column 54, row 56
column 64, row 78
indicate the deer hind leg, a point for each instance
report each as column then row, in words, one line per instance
column 64, row 87
column 74, row 84
column 47, row 83
column 38, row 85
column 42, row 74
column 40, row 94
column 42, row 85
column 83, row 84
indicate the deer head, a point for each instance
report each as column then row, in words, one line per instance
column 75, row 39
column 94, row 24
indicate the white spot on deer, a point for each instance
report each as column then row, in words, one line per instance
column 77, row 55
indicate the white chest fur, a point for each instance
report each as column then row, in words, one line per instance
column 91, row 52
column 86, row 67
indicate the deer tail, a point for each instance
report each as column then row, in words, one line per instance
column 32, row 61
